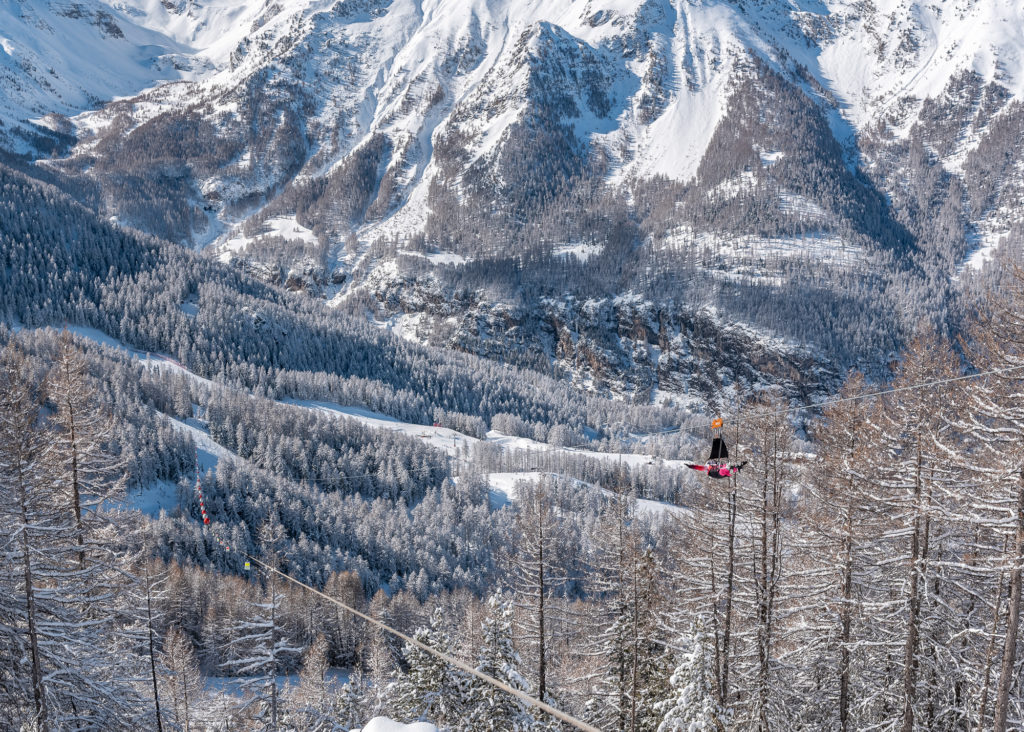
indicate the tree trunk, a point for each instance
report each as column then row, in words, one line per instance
column 846, row 615
column 990, row 651
column 730, row 575
column 76, row 493
column 38, row 694
column 273, row 650
column 763, row 613
column 1013, row 619
column 541, row 660
column 152, row 657
column 913, row 609
column 636, row 647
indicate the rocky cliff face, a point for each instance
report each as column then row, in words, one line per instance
column 532, row 180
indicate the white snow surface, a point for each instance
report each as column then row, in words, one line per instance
column 582, row 252
column 285, row 227
column 62, row 57
column 150, row 500
column 981, row 256
column 893, row 49
column 455, row 443
column 385, row 724
column 149, row 359
column 234, row 686
column 858, row 51
column 211, row 29
column 504, row 490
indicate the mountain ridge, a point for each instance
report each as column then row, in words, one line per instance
column 748, row 157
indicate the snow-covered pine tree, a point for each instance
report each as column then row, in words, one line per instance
column 535, row 574
column 26, row 515
column 348, row 705
column 692, row 705
column 378, row 653
column 67, row 589
column 840, row 521
column 139, row 617
column 764, row 489
column 913, row 486
column 260, row 651
column 627, row 584
column 431, row 690
column 344, row 633
column 490, row 709
column 702, row 550
column 184, row 692
column 994, row 419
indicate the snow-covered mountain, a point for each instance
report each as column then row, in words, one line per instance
column 816, row 174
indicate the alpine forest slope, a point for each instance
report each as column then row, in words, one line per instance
column 659, row 200
column 862, row 571
column 419, row 309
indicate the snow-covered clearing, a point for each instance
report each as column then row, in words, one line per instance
column 163, row 495
column 384, row 724
column 977, row 259
column 404, row 326
column 455, row 443
column 235, row 685
column 285, row 227
column 446, row 440
column 160, row 361
column 582, row 252
column 760, row 252
column 439, row 257
column 151, row 500
column 504, row 486
column 504, row 490
column 795, row 204
column 987, row 239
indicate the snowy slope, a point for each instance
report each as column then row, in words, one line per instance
column 211, row 28
column 411, row 93
column 646, row 83
column 503, row 487
column 879, row 53
column 65, row 57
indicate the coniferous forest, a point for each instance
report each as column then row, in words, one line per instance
column 863, row 570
